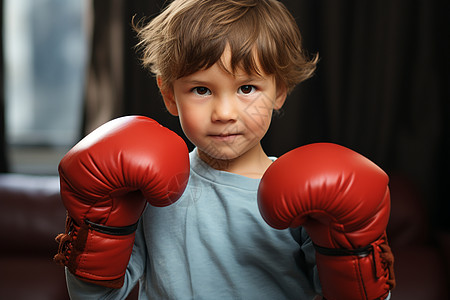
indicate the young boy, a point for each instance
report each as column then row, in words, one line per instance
column 223, row 67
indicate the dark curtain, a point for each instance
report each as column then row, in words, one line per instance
column 381, row 87
column 3, row 155
column 117, row 84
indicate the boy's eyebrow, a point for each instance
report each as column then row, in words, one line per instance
column 193, row 81
column 198, row 82
column 252, row 79
column 241, row 79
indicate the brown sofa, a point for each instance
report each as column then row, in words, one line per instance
column 31, row 215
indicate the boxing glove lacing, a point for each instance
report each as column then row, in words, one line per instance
column 383, row 260
column 65, row 239
column 65, row 242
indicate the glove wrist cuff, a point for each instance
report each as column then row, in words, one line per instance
column 88, row 250
column 363, row 273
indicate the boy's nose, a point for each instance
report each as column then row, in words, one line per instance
column 224, row 110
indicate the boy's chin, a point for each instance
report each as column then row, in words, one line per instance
column 218, row 161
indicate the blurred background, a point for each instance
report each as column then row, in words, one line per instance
column 381, row 89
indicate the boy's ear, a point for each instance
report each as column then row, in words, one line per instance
column 168, row 97
column 280, row 97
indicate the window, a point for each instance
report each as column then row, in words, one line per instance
column 45, row 52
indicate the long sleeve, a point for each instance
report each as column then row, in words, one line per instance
column 306, row 260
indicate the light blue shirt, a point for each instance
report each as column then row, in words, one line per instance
column 213, row 244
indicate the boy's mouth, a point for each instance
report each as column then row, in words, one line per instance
column 225, row 137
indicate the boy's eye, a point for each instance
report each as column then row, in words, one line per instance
column 201, row 90
column 246, row 89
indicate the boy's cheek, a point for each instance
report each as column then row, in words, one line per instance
column 262, row 107
column 259, row 116
column 191, row 126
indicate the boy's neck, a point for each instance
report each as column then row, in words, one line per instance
column 251, row 164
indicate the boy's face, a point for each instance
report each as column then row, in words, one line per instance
column 225, row 116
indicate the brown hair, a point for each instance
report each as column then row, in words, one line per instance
column 191, row 35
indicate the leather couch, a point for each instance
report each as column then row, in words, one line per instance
column 31, row 215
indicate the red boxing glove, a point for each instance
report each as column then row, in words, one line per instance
column 342, row 200
column 105, row 182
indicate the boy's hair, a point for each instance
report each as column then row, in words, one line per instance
column 191, row 35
